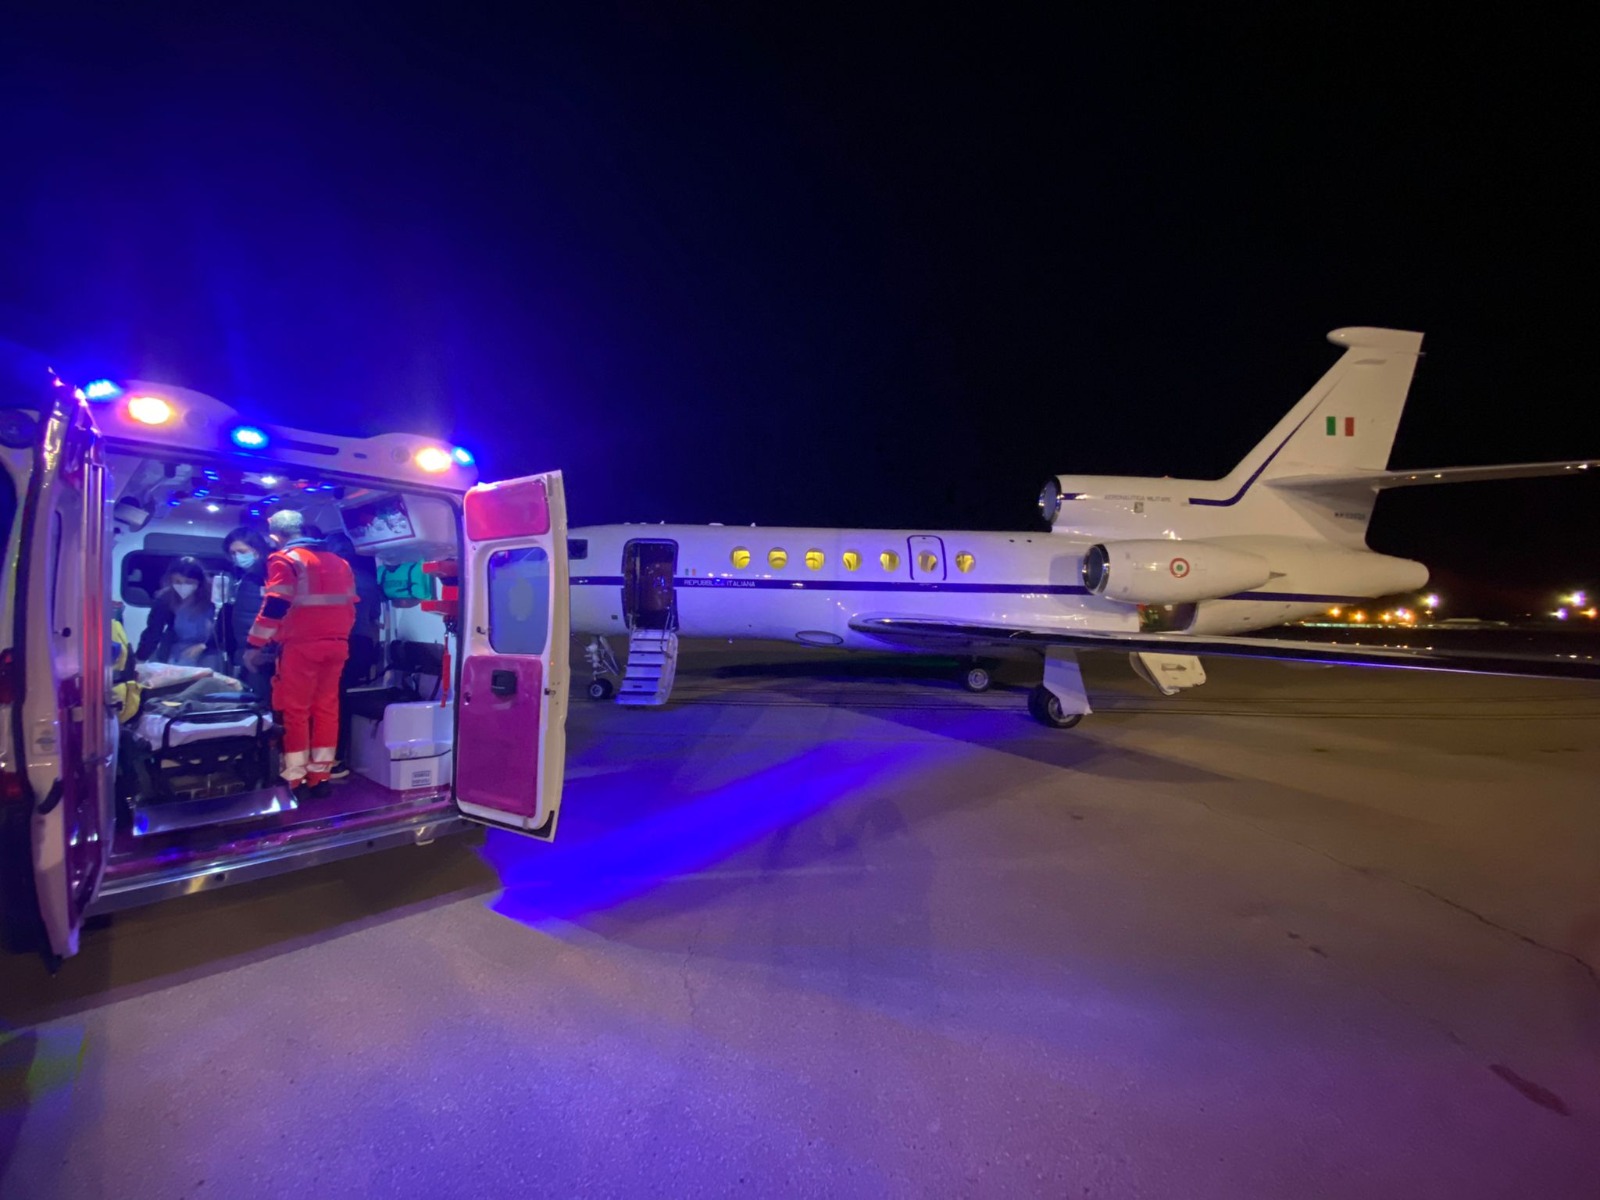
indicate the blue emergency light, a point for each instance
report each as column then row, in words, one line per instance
column 248, row 437
column 462, row 456
column 101, row 390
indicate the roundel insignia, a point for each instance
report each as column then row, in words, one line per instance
column 1179, row 567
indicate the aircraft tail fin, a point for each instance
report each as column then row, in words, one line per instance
column 1347, row 422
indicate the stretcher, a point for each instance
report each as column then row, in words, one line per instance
column 196, row 749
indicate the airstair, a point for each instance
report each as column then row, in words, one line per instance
column 652, row 664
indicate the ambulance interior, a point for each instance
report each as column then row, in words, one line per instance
column 197, row 748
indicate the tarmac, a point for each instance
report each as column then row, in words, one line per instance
column 830, row 926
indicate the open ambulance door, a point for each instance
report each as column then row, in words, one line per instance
column 66, row 727
column 511, row 741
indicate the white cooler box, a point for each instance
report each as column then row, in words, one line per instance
column 409, row 749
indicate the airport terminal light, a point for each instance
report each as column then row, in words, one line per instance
column 1430, row 601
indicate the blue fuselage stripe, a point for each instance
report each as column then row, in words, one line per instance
column 869, row 585
column 734, row 583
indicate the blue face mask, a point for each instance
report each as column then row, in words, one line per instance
column 245, row 559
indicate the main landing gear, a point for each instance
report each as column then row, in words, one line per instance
column 602, row 663
column 1060, row 701
column 1044, row 706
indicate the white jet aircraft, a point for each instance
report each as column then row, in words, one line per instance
column 1160, row 569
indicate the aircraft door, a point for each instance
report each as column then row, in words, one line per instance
column 511, row 724
column 927, row 558
column 649, row 598
column 67, row 730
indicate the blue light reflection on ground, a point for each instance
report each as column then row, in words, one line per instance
column 627, row 830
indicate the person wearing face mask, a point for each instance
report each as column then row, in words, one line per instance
column 182, row 627
column 247, row 549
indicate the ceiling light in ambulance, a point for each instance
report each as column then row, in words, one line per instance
column 150, row 410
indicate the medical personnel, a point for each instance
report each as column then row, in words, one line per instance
column 307, row 609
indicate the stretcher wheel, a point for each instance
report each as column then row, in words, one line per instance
column 600, row 689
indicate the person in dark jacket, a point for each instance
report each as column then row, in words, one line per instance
column 247, row 549
column 182, row 627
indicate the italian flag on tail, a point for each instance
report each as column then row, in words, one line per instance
column 1347, row 426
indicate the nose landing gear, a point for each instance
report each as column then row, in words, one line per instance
column 976, row 677
column 602, row 663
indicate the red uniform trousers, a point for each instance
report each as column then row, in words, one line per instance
column 306, row 691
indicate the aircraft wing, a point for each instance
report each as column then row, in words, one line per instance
column 933, row 632
column 1380, row 480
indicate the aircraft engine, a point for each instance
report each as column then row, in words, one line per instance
column 1170, row 572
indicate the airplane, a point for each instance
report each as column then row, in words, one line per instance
column 1161, row 569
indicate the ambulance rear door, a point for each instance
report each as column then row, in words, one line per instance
column 62, row 636
column 511, row 725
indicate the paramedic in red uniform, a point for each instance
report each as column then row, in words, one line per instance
column 308, row 607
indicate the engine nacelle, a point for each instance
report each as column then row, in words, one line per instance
column 1165, row 571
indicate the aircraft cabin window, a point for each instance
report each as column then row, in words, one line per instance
column 890, row 560
column 814, row 560
column 777, row 559
column 927, row 561
column 965, row 562
column 740, row 557
column 850, row 559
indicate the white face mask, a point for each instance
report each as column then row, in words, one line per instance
column 184, row 590
column 245, row 559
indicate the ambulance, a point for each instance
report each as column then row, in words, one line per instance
column 122, row 782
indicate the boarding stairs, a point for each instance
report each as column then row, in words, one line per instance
column 652, row 665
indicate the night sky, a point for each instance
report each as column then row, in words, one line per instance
column 830, row 269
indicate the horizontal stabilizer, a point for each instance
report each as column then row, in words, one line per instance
column 1380, row 480
column 932, row 631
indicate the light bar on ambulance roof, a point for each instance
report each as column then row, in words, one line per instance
column 150, row 410
column 432, row 459
column 463, row 456
column 100, row 391
column 248, row 437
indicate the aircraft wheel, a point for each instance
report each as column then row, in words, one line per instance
column 600, row 689
column 1045, row 707
column 976, row 679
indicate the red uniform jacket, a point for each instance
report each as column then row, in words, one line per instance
column 310, row 593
